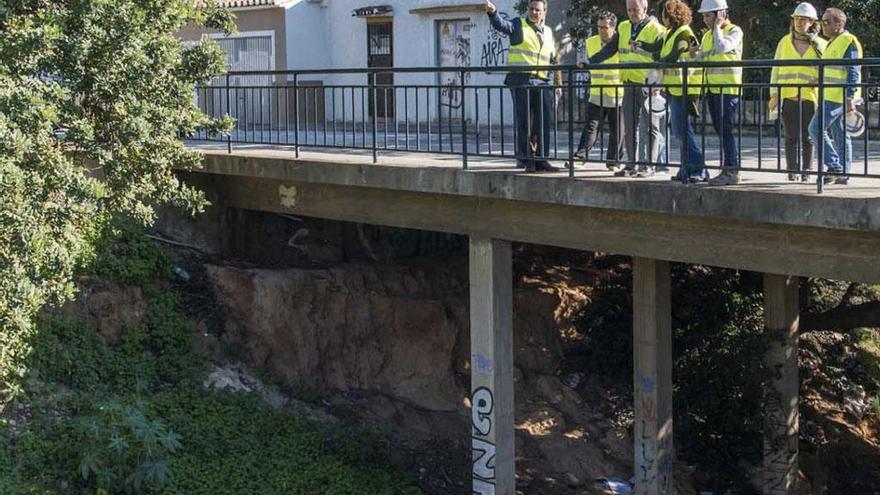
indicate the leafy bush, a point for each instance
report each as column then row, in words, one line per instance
column 123, row 450
column 235, row 444
column 126, row 256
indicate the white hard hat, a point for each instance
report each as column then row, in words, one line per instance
column 855, row 123
column 712, row 5
column 806, row 9
column 655, row 103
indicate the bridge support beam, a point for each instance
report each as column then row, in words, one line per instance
column 491, row 305
column 781, row 312
column 652, row 376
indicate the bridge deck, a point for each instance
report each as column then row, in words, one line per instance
column 764, row 224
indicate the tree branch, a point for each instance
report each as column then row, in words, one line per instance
column 843, row 318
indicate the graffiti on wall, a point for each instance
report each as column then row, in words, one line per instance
column 454, row 45
column 496, row 46
column 482, row 450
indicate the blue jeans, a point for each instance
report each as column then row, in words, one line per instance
column 834, row 137
column 680, row 118
column 722, row 109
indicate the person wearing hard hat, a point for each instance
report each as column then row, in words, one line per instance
column 677, row 16
column 723, row 42
column 840, row 99
column 800, row 97
column 641, row 134
column 531, row 44
column 606, row 96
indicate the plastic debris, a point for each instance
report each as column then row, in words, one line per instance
column 613, row 486
column 181, row 273
column 572, row 380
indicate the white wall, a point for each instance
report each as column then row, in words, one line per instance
column 306, row 35
column 326, row 35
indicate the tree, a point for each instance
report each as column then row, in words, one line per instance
column 94, row 96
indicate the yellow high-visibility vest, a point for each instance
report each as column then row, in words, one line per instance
column 836, row 74
column 672, row 77
column 730, row 77
column 649, row 34
column 533, row 50
column 604, row 77
column 808, row 76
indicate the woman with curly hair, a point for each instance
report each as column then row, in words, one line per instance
column 676, row 16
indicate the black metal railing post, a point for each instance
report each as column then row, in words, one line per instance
column 464, row 133
column 229, row 114
column 371, row 82
column 820, row 138
column 295, row 115
column 570, row 105
column 684, row 142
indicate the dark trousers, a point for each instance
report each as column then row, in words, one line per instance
column 722, row 109
column 595, row 116
column 796, row 119
column 533, row 108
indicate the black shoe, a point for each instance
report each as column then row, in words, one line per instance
column 841, row 180
column 529, row 166
column 627, row 172
column 827, row 179
column 544, row 166
column 522, row 163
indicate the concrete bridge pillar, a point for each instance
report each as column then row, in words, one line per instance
column 781, row 312
column 491, row 306
column 652, row 376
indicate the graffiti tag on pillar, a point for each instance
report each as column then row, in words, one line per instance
column 482, row 450
column 482, row 364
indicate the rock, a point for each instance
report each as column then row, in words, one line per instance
column 226, row 378
column 343, row 328
column 110, row 308
column 236, row 378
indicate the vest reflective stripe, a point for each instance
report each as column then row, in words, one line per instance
column 672, row 77
column 836, row 74
column 730, row 77
column 649, row 34
column 533, row 50
column 802, row 75
column 610, row 77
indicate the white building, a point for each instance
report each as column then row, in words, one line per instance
column 345, row 34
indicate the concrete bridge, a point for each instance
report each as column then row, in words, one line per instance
column 767, row 225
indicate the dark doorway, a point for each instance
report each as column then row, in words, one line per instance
column 380, row 53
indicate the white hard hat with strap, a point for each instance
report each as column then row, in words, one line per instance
column 806, row 9
column 712, row 6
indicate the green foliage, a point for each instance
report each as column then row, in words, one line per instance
column 868, row 354
column 124, row 451
column 235, row 444
column 130, row 416
column 126, row 256
column 93, row 97
column 718, row 341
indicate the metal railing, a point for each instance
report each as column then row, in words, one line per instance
column 348, row 109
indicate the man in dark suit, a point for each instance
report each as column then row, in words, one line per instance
column 531, row 44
